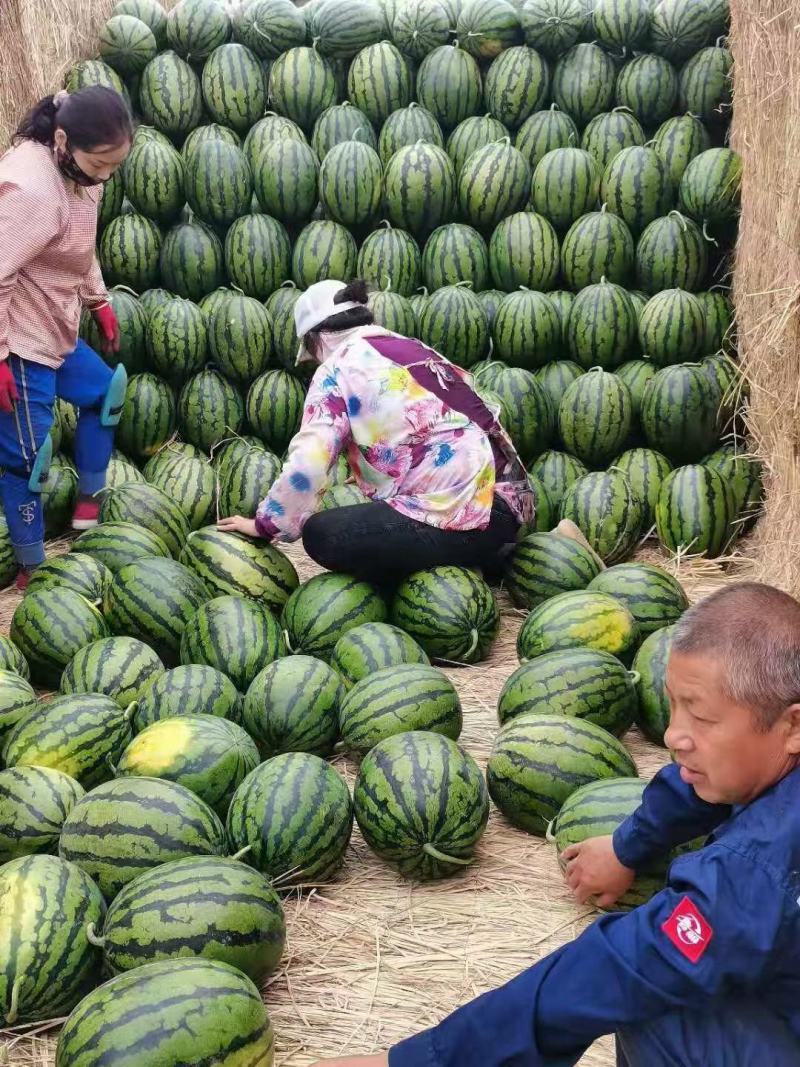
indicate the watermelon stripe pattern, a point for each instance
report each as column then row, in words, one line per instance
column 595, row 416
column 597, row 246
column 578, row 620
column 238, row 566
column 653, row 597
column 414, row 170
column 694, row 511
column 34, row 801
column 293, row 706
column 235, row 636
column 607, row 511
column 189, row 690
column 546, row 564
column 302, row 84
column 379, row 82
column 449, row 85
column 326, row 607
column 119, row 667
column 371, row 647
column 49, row 626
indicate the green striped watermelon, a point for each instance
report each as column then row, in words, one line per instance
column 579, row 682
column 449, row 85
column 12, row 659
column 473, row 133
column 530, row 416
column 196, row 27
column 207, row 907
column 486, row 27
column 58, row 499
column 450, row 611
column 599, row 245
column 578, row 619
column 177, row 340
column 302, row 84
column 324, row 249
column 116, row 544
column 555, row 378
column 209, row 409
column 341, row 28
column 710, row 188
column 648, row 85
column 694, row 511
column 539, row 760
column 240, row 338
column 543, row 132
column 419, row 28
column 494, row 182
column 270, row 27
column 636, row 373
column 645, row 469
column 526, row 329
column 154, row 181
column 454, row 324
column 524, row 252
column 706, row 85
column 192, row 260
column 419, row 188
column 372, row 647
column 636, row 186
column 608, row 133
column 45, row 966
column 295, row 814
column 421, row 804
column 275, row 408
column 80, row 735
column 292, row 706
column 272, row 127
column 219, row 183
column 455, row 253
column 672, row 327
column 119, row 667
column 565, row 186
column 744, row 476
column 154, row 821
column 607, row 511
column 189, row 690
column 654, row 597
column 583, row 82
column 148, row 416
column 679, row 412
column 133, row 322
column 326, row 607
column 620, row 24
column 170, row 96
column 390, row 258
column 17, row 698
column 235, row 635
column 234, row 89
column 396, row 699
column 238, row 566
column 393, row 312
column 286, row 180
column 190, row 482
column 601, row 327
column 651, row 664
column 49, row 626
column 247, row 480
column 150, row 12
column 595, row 417
column 405, row 127
column 544, row 564
column 129, row 252
column 339, row 124
column 671, row 254
column 552, row 27
column 677, row 29
column 678, row 140
column 517, row 85
column 718, row 312
column 213, row 131
column 351, row 183
column 34, row 801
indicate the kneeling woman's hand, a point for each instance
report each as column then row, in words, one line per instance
column 238, row 524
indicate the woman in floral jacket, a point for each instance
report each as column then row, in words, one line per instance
column 444, row 480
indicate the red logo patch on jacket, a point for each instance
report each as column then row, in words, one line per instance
column 688, row 930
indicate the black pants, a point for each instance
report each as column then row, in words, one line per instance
column 377, row 544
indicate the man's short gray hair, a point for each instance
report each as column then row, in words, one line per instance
column 754, row 631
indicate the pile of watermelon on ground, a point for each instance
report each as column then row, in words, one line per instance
column 545, row 196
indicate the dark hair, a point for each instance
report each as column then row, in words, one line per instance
column 345, row 320
column 91, row 117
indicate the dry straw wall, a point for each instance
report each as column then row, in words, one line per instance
column 42, row 37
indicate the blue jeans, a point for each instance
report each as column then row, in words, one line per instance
column 82, row 379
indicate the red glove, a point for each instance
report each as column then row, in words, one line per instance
column 8, row 387
column 109, row 327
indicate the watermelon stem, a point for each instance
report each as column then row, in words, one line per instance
column 288, row 642
column 474, row 644
column 635, row 677
column 549, row 836
column 92, row 938
column 242, row 852
column 13, row 1008
column 130, row 711
column 434, row 853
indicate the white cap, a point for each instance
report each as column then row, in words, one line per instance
column 316, row 305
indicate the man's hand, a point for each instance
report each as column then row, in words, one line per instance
column 108, row 326
column 593, row 870
column 238, row 524
column 357, row 1061
column 8, row 387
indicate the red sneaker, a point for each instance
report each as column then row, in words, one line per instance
column 23, row 578
column 86, row 514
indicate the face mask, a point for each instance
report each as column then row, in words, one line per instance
column 70, row 169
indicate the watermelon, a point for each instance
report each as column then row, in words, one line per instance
column 710, row 188
column 494, row 182
column 113, row 545
column 235, row 565
column 620, row 24
column 213, row 131
column 607, row 511
column 58, row 499
column 148, row 11
column 524, row 252
column 517, row 85
column 671, row 254
column 608, row 133
column 636, row 186
column 196, row 27
column 219, row 184
column 601, row 327
column 491, row 299
column 420, row 28
column 342, row 496
column 419, row 187
column 672, row 327
column 706, row 85
column 543, row 132
column 393, row 700
column 718, row 312
column 190, row 482
column 582, row 683
column 351, row 183
column 526, row 329
column 129, row 252
column 286, row 180
column 678, row 140
column 17, row 699
column 565, row 186
column 454, row 324
column 340, row 124
column 455, row 253
column 379, row 82
column 450, row 611
column 78, row 735
column 151, row 1004
column 578, row 619
column 192, row 260
column 393, row 312
column 679, row 412
column 405, row 127
column 207, row 754
column 744, row 476
column 449, row 85
column 290, row 841
column 326, row 607
column 654, row 597
column 173, row 451
column 46, row 966
column 235, row 635
column 133, row 320
column 645, row 469
column 545, row 564
column 149, row 508
column 552, row 27
column 12, row 659
column 154, row 181
column 539, row 760
column 556, row 377
column 650, row 664
column 176, row 340
column 240, row 338
column 599, row 245
column 75, row 571
column 648, row 85
column 270, row 27
column 473, row 133
column 292, row 706
column 302, row 84
column 372, row 647
column 210, row 907
column 154, row 600
column 324, row 249
column 341, row 28
column 170, row 96
column 694, row 511
column 49, row 626
column 148, row 416
column 486, row 27
column 265, row 132
column 678, row 28
column 34, row 801
column 421, row 804
column 531, row 418
column 228, row 452
column 112, row 200
column 636, row 373
column 189, row 690
column 209, row 409
column 583, row 82
column 234, row 89
column 275, row 408
column 119, row 667
column 595, row 416
column 248, row 479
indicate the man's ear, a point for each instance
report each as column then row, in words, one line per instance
column 792, row 719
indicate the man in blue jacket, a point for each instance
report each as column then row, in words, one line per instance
column 707, row 974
